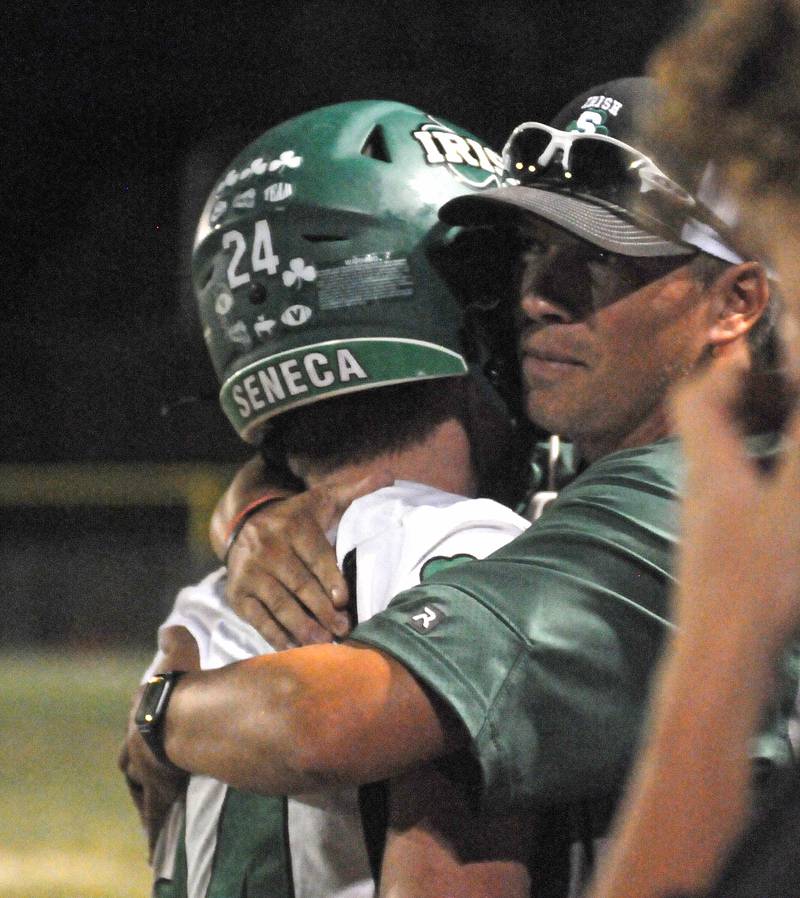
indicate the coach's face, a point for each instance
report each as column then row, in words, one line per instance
column 603, row 337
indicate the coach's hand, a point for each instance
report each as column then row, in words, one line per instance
column 282, row 572
column 153, row 786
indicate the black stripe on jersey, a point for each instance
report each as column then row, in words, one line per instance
column 373, row 798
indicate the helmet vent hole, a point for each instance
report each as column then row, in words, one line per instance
column 375, row 146
column 324, row 238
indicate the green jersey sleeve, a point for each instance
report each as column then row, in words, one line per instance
column 544, row 650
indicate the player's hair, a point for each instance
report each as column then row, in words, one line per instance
column 360, row 426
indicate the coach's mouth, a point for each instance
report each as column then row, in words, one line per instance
column 547, row 363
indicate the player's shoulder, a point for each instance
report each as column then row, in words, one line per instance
column 410, row 503
column 415, row 515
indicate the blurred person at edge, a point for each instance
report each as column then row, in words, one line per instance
column 687, row 826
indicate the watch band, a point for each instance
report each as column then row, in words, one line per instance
column 153, row 705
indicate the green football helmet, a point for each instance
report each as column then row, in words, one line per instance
column 314, row 259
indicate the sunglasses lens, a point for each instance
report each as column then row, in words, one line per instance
column 523, row 152
column 596, row 164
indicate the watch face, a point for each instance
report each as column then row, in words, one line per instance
column 150, row 704
column 150, row 712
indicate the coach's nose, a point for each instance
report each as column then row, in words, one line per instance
column 537, row 307
column 557, row 290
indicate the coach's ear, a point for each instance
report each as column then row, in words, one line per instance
column 740, row 294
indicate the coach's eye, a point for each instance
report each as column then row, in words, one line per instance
column 610, row 277
column 607, row 259
column 532, row 249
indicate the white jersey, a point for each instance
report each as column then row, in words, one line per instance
column 399, row 534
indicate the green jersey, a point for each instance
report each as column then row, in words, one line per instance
column 544, row 650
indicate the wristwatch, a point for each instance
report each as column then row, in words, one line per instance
column 149, row 716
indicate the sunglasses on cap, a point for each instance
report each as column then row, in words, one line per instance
column 611, row 170
column 596, row 162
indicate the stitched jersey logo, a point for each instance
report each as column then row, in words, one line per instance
column 426, row 620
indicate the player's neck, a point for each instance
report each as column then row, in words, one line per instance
column 442, row 461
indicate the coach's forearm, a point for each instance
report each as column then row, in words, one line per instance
column 304, row 719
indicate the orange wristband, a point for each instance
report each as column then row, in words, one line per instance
column 246, row 513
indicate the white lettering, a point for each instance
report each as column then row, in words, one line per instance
column 496, row 159
column 271, row 385
column 589, row 122
column 293, row 377
column 245, row 200
column 349, row 366
column 263, row 257
column 244, row 407
column 426, row 617
column 235, row 279
column 313, row 362
column 600, row 102
column 455, row 149
column 480, row 153
column 294, row 316
column 249, row 384
column 432, row 153
column 276, row 193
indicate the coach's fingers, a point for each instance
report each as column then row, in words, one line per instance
column 294, row 619
column 276, row 590
column 288, row 542
column 251, row 609
column 312, row 562
column 123, row 758
column 153, row 786
column 282, row 570
column 300, row 592
column 329, row 500
column 158, row 799
column 135, row 788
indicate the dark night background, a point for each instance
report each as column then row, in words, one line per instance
column 118, row 119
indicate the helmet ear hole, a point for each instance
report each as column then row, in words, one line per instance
column 374, row 146
column 325, row 238
column 206, row 278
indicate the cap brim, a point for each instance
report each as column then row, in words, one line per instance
column 601, row 225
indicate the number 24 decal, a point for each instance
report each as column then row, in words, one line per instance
column 262, row 256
